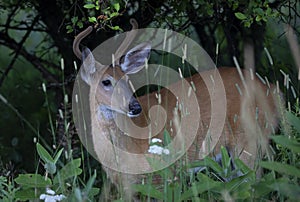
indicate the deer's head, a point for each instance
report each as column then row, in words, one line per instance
column 114, row 78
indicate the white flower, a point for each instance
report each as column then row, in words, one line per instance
column 155, row 149
column 155, row 140
column 50, row 197
column 50, row 191
column 166, row 151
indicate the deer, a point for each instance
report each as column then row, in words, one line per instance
column 250, row 117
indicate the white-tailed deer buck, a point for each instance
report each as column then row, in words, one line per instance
column 251, row 109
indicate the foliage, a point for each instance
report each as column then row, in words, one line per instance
column 221, row 182
column 101, row 15
column 30, row 52
column 7, row 190
column 63, row 181
column 62, row 173
column 255, row 11
column 214, row 181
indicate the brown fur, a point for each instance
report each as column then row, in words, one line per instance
column 242, row 133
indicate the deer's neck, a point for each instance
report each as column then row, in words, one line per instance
column 105, row 125
column 105, row 114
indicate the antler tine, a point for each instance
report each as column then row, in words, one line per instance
column 78, row 39
column 128, row 39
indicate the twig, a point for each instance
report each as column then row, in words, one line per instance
column 37, row 62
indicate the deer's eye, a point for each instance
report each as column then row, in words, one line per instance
column 106, row 82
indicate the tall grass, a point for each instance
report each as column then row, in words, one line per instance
column 65, row 170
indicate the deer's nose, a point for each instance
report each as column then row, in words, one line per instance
column 134, row 107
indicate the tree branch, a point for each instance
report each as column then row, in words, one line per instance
column 17, row 52
column 37, row 62
column 22, row 28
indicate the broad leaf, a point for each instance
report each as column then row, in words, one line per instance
column 33, row 180
column 240, row 16
column 43, row 153
column 71, row 169
column 148, row 190
column 287, row 142
column 281, row 168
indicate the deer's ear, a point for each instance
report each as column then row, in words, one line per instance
column 134, row 60
column 88, row 65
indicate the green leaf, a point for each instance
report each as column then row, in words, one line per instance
column 148, row 190
column 259, row 11
column 78, row 194
column 114, row 14
column 90, row 183
column 89, row 6
column 258, row 18
column 287, row 189
column 115, row 27
column 50, row 167
column 287, row 142
column 205, row 184
column 44, row 155
column 25, row 194
column 167, row 138
column 293, row 120
column 213, row 165
column 210, row 11
column 33, row 180
column 74, row 20
column 225, row 158
column 80, row 24
column 240, row 165
column 240, row 16
column 262, row 188
column 236, row 183
column 116, row 6
column 248, row 24
column 57, row 156
column 70, row 30
column 93, row 192
column 281, row 168
column 71, row 169
column 93, row 19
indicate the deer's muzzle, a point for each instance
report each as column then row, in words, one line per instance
column 134, row 107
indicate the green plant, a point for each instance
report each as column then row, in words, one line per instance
column 255, row 11
column 62, row 176
column 219, row 182
column 7, row 190
column 63, row 181
column 101, row 15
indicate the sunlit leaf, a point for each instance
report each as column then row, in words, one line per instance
column 89, row 6
column 93, row 19
column 240, row 16
column 116, row 6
